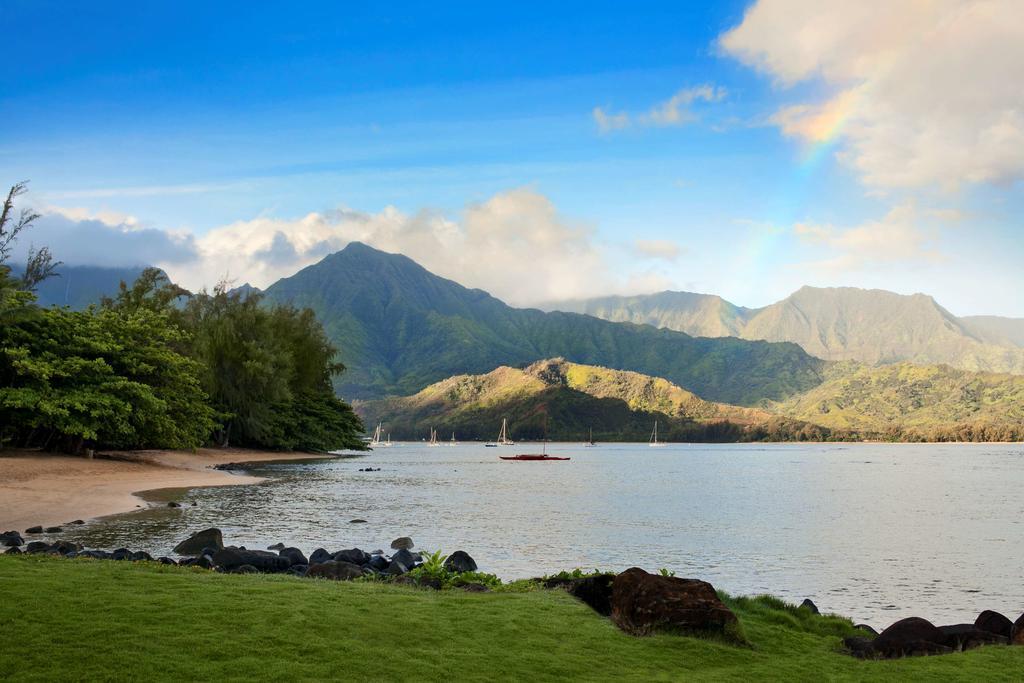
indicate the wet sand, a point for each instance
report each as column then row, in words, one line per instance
column 52, row 490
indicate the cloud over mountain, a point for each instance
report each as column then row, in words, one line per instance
column 919, row 93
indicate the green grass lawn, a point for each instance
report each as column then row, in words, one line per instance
column 88, row 619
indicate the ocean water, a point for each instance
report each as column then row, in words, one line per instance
column 876, row 532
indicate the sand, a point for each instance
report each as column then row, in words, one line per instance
column 52, row 490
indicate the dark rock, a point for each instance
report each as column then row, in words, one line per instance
column 37, row 547
column 335, row 571
column 405, row 557
column 204, row 561
column 196, row 543
column 34, row 530
column 53, row 530
column 77, row 521
column 141, row 556
column 402, row 543
column 475, row 588
column 165, row 560
column 1017, row 637
column 357, row 521
column 276, row 546
column 121, row 554
column 13, row 550
column 430, row 582
column 353, row 556
column 319, row 556
column 210, row 551
column 859, row 647
column 377, row 563
column 172, row 504
column 11, row 539
column 968, row 636
column 96, row 554
column 459, row 562
column 994, row 622
column 245, row 569
column 231, row 558
column 65, row 547
column 643, row 603
column 595, row 591
column 808, row 604
column 909, row 637
column 294, row 556
column 396, row 568
column 865, row 627
column 298, row 569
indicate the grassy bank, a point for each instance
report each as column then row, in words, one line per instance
column 85, row 619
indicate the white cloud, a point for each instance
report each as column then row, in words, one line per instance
column 897, row 237
column 607, row 122
column 666, row 250
column 675, row 111
column 106, row 238
column 919, row 93
column 515, row 245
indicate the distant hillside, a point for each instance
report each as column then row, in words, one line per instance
column 934, row 402
column 842, row 323
column 702, row 315
column 567, row 400
column 79, row 286
column 993, row 329
column 401, row 328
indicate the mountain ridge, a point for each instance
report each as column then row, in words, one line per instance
column 400, row 328
column 836, row 323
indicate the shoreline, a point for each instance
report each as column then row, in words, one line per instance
column 52, row 490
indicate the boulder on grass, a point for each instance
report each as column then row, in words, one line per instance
column 909, row 637
column 643, row 603
column 37, row 547
column 1017, row 637
column 961, row 637
column 459, row 562
column 319, row 556
column 13, row 550
column 264, row 561
column 994, row 622
column 595, row 591
column 405, row 557
column 335, row 571
column 194, row 544
column 352, row 556
column 294, row 556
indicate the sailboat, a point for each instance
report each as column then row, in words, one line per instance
column 534, row 457
column 433, row 438
column 591, row 443
column 503, row 439
column 654, row 437
column 453, row 441
column 377, row 441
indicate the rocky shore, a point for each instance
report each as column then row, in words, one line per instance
column 638, row 602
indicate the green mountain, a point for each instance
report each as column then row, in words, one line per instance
column 702, row 315
column 565, row 401
column 401, row 328
column 929, row 402
column 841, row 323
column 80, row 286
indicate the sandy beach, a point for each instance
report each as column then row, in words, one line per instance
column 51, row 490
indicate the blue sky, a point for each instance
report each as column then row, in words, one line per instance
column 462, row 132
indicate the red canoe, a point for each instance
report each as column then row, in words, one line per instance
column 531, row 456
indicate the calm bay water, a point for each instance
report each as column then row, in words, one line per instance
column 875, row 532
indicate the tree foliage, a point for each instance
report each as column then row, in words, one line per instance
column 155, row 367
